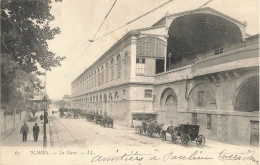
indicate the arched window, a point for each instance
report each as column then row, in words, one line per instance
column 116, row 96
column 102, row 75
column 150, row 46
column 87, row 82
column 107, row 65
column 247, row 98
column 118, row 66
column 98, row 77
column 112, row 69
column 110, row 97
column 100, row 98
column 94, row 79
column 84, row 84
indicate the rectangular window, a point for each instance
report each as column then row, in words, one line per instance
column 201, row 95
column 194, row 119
column 140, row 66
column 208, row 122
column 148, row 93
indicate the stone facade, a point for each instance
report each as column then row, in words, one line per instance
column 137, row 79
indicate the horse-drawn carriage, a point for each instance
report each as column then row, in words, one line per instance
column 98, row 118
column 63, row 112
column 75, row 113
column 150, row 128
column 186, row 133
column 82, row 113
column 90, row 116
column 107, row 121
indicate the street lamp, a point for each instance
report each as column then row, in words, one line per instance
column 44, row 102
column 169, row 55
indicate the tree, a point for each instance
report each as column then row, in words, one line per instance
column 17, row 86
column 25, row 32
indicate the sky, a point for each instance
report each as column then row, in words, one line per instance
column 79, row 21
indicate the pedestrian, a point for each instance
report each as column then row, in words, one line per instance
column 36, row 131
column 24, row 130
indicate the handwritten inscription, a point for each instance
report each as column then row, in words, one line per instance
column 197, row 155
column 138, row 156
column 133, row 156
column 244, row 156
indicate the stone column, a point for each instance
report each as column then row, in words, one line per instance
column 133, row 56
column 165, row 52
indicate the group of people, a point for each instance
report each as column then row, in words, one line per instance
column 25, row 130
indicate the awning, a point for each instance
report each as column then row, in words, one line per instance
column 37, row 99
column 146, row 112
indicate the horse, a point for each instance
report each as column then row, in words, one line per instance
column 171, row 130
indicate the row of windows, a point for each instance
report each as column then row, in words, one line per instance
column 147, row 94
column 100, row 76
column 150, row 46
column 100, row 98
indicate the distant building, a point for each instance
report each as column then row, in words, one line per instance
column 197, row 67
column 67, row 100
column 37, row 100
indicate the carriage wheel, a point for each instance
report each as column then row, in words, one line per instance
column 150, row 131
column 200, row 141
column 185, row 139
column 174, row 138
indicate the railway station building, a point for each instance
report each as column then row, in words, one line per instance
column 198, row 67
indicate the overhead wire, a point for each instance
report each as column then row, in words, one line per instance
column 95, row 33
column 145, row 15
column 191, row 13
column 204, row 4
column 103, row 21
column 133, row 20
column 139, row 17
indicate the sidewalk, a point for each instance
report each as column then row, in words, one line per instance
column 15, row 139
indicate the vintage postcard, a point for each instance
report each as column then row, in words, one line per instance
column 160, row 82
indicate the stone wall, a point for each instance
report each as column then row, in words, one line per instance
column 8, row 123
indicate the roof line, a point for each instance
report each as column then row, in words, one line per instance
column 205, row 8
column 104, row 54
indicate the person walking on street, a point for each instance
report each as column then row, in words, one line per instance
column 24, row 130
column 36, row 131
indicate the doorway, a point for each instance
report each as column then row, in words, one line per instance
column 254, row 133
column 159, row 66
